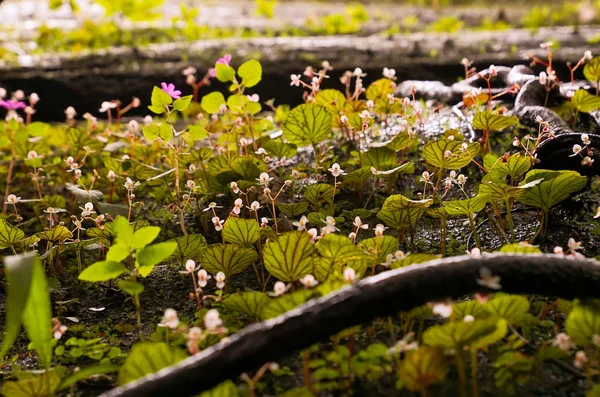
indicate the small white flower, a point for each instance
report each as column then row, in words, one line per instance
column 587, row 161
column 461, row 179
column 425, row 177
column 195, row 333
column 88, row 208
column 220, row 279
column 468, row 318
column 203, row 278
column 580, row 359
column 475, row 252
column 234, row 187
column 264, row 179
column 389, row 73
column 585, row 138
column 12, row 199
column 444, row 309
column 148, row 120
column 32, row 154
column 336, row 170
column 190, row 266
column 309, row 281
column 255, row 206
column 349, row 275
column 486, row 279
column 237, row 206
column 34, row 99
column 279, row 288
column 563, row 342
column 301, row 224
column 543, row 80
column 574, row 245
column 261, row 150
column 218, row 223
column 344, row 119
column 111, row 176
column 358, row 72
column 379, row 229
column 70, row 113
column 253, row 98
column 170, row 319
column 559, row 251
column 352, row 236
column 313, row 232
column 576, row 148
column 493, row 70
column 190, row 183
column 407, row 343
column 106, row 106
column 130, row 185
column 588, row 55
column 466, row 63
column 133, row 126
column 212, row 320
column 365, row 114
column 295, row 80
column 359, row 224
column 448, row 154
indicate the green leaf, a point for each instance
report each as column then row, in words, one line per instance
column 144, row 236
column 230, row 259
column 307, row 124
column 118, row 253
column 435, row 153
column 498, row 168
column 278, row 306
column 502, row 191
column 152, row 255
column 591, row 71
column 191, row 246
column 212, row 102
column 86, row 372
column 197, row 132
column 466, row 207
column 422, row 368
column 160, row 99
column 555, row 187
column 412, row 259
column 244, row 232
column 469, row 308
column 520, row 248
column 56, row 234
column 225, row 73
column 457, row 334
column 401, row 212
column 9, row 235
column 512, row 308
column 33, row 386
column 489, row 121
column 331, row 99
column 102, row 271
column 182, row 103
column 37, row 128
column 336, row 251
column 225, row 389
column 18, row 270
column 382, row 158
column 123, row 231
column 380, row 247
column 321, row 193
column 493, row 337
column 131, row 287
column 37, row 317
column 289, row 257
column 248, row 303
column 585, row 102
column 584, row 322
column 148, row 358
column 294, row 210
column 250, row 72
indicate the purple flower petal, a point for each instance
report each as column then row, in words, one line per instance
column 213, row 72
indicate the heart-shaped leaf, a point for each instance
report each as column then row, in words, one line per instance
column 244, row 232
column 490, row 121
column 450, row 155
column 289, row 257
column 422, row 368
column 583, row 322
column 230, row 259
column 554, row 188
column 191, row 246
column 102, row 271
column 248, row 303
column 147, row 358
column 466, row 207
column 401, row 212
column 585, row 102
column 307, row 124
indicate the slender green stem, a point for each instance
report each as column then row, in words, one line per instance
column 474, row 387
column 460, row 368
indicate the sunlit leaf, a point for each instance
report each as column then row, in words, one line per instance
column 294, row 210
column 469, row 308
column 9, row 235
column 381, row 247
column 318, row 194
column 56, row 234
column 19, row 273
column 509, row 307
column 230, row 259
column 33, row 386
column 585, row 102
column 191, row 246
column 133, row 288
column 466, row 207
column 147, row 358
column 422, row 368
column 520, row 248
column 456, row 334
column 591, row 71
column 241, row 231
column 286, row 303
column 412, row 259
column 224, row 72
column 182, row 103
column 450, row 155
column 250, row 72
column 212, row 102
column 307, row 124
column 152, row 255
column 554, row 188
column 401, row 212
column 289, row 257
column 333, row 100
column 248, row 303
column 490, row 121
column 102, row 271
column 583, row 323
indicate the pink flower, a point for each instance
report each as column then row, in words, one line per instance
column 225, row 60
column 170, row 89
column 12, row 105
